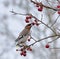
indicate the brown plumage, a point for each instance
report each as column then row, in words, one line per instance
column 22, row 38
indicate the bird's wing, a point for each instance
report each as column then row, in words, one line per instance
column 19, row 37
column 22, row 34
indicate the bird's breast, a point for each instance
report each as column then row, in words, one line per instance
column 24, row 39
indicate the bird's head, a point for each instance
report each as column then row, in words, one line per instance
column 28, row 26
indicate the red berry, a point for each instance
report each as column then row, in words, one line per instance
column 33, row 23
column 35, row 20
column 24, row 54
column 27, row 48
column 47, row 46
column 27, row 20
column 37, row 5
column 37, row 24
column 24, row 51
column 40, row 8
column 30, row 49
column 16, row 49
column 21, row 49
column 28, row 39
column 21, row 54
column 28, row 17
column 58, row 12
column 58, row 6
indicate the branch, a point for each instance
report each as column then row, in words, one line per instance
column 40, row 4
column 15, row 13
column 55, row 48
column 53, row 40
column 44, row 24
column 44, row 39
column 55, row 21
column 34, row 18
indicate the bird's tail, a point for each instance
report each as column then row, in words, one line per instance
column 17, row 40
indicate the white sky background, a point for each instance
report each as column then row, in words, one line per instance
column 14, row 24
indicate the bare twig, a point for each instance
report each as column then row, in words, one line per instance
column 55, row 48
column 44, row 39
column 55, row 21
column 33, row 38
column 15, row 13
column 44, row 24
column 40, row 4
column 53, row 40
column 35, row 19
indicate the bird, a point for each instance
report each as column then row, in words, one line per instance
column 23, row 36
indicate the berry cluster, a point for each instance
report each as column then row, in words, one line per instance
column 24, row 50
column 40, row 7
column 27, row 20
column 58, row 6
